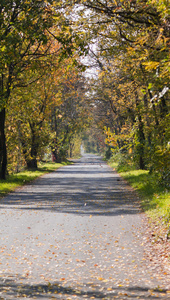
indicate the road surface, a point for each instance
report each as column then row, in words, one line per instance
column 76, row 233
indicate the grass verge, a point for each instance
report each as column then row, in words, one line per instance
column 155, row 199
column 15, row 180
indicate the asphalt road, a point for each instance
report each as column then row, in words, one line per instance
column 76, row 233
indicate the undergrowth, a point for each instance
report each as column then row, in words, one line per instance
column 155, row 198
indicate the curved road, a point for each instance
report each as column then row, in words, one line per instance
column 76, row 233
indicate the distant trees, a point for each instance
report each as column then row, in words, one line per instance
column 70, row 116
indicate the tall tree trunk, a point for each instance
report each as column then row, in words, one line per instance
column 71, row 145
column 54, row 148
column 141, row 136
column 4, row 96
column 32, row 161
column 3, row 150
column 141, row 139
column 56, row 156
column 30, row 158
column 32, row 164
column 163, row 107
column 145, row 101
column 154, row 108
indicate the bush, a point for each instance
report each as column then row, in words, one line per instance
column 161, row 166
column 123, row 161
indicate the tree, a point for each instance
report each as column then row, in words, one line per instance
column 30, row 110
column 25, row 28
column 30, row 106
column 22, row 32
column 131, row 49
column 49, row 111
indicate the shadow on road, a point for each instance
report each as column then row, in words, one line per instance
column 9, row 288
column 87, row 187
column 77, row 196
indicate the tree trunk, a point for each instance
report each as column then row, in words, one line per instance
column 154, row 109
column 30, row 158
column 55, row 156
column 3, row 151
column 163, row 108
column 145, row 100
column 71, row 148
column 141, row 141
column 141, row 136
column 32, row 162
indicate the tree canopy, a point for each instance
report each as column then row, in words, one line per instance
column 43, row 48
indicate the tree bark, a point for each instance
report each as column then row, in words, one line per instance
column 56, row 156
column 3, row 150
column 32, row 162
column 163, row 107
column 141, row 141
column 30, row 157
column 71, row 145
column 141, row 135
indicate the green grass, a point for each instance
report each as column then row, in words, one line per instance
column 19, row 179
column 155, row 199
